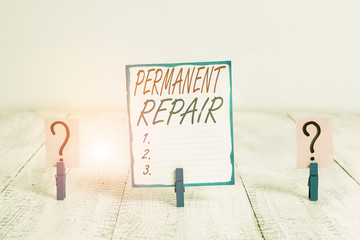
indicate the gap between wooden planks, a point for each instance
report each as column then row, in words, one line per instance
column 265, row 146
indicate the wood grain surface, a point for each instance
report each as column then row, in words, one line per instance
column 268, row 201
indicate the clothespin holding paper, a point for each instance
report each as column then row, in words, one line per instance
column 60, row 181
column 62, row 145
column 179, row 187
column 313, row 182
column 314, row 148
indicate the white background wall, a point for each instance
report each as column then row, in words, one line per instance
column 71, row 54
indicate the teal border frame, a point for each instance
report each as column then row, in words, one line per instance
column 127, row 68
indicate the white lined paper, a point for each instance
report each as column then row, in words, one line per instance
column 203, row 149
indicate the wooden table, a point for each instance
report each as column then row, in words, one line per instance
column 268, row 201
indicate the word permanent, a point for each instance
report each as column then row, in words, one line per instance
column 180, row 80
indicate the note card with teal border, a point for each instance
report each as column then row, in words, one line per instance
column 180, row 116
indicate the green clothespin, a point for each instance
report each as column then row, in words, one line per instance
column 179, row 187
column 313, row 182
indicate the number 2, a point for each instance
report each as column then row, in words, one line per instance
column 146, row 153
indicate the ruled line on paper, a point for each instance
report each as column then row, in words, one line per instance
column 189, row 154
column 203, row 157
column 177, row 140
column 202, row 139
column 187, row 147
column 188, row 165
column 190, row 127
column 156, row 144
column 177, row 135
column 165, row 176
column 211, row 168
column 174, row 135
column 185, row 135
column 185, row 161
column 169, row 153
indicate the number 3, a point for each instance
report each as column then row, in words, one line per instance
column 147, row 169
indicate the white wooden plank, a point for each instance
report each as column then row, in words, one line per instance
column 346, row 130
column 221, row 212
column 21, row 135
column 28, row 206
column 265, row 144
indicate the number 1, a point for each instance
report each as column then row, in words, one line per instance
column 145, row 136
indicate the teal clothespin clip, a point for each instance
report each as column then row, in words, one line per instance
column 313, row 182
column 179, row 187
column 60, row 181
